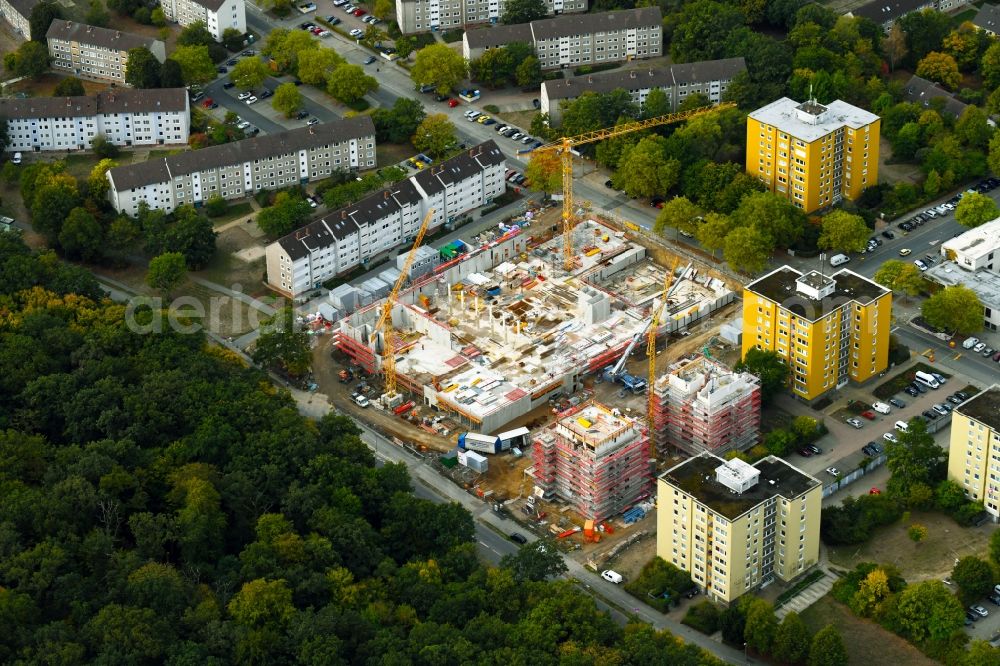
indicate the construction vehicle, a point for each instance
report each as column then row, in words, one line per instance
column 391, row 398
column 565, row 148
column 345, row 376
column 669, row 285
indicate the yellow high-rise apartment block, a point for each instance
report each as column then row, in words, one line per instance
column 974, row 452
column 735, row 526
column 811, row 154
column 830, row 329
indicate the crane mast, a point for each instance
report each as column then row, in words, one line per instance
column 564, row 149
column 385, row 320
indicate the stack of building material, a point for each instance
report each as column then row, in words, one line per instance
column 389, row 276
column 345, row 298
column 377, row 288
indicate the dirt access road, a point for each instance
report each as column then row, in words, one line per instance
column 325, row 371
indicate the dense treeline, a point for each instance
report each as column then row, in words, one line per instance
column 162, row 503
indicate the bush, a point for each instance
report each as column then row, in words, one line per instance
column 704, row 617
column 491, row 108
column 452, row 36
column 216, row 206
column 657, row 577
column 854, row 520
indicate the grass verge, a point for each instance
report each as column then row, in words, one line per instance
column 897, row 383
column 793, row 591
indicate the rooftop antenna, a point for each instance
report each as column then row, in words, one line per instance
column 811, row 98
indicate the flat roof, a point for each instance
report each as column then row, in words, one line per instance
column 984, row 407
column 696, row 477
column 976, row 242
column 984, row 282
column 785, row 114
column 595, row 424
column 779, row 286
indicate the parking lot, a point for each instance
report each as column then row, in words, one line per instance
column 985, row 628
column 841, row 446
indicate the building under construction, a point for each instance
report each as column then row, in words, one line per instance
column 499, row 328
column 595, row 460
column 702, row 405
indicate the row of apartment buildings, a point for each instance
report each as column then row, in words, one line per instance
column 90, row 52
column 423, row 15
column 236, row 170
column 709, row 78
column 124, row 116
column 571, row 40
column 348, row 237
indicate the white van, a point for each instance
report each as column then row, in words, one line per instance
column 612, row 576
column 361, row 401
column 969, row 343
column 839, row 259
column 881, row 408
column 902, row 426
column 927, row 379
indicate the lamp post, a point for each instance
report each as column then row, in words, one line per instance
column 746, row 656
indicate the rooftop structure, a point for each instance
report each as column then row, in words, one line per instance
column 594, row 459
column 809, row 120
column 701, row 405
column 492, row 334
column 732, row 488
column 814, row 295
column 886, row 12
column 921, row 91
column 975, row 248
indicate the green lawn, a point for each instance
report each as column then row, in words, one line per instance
column 867, row 643
column 898, row 382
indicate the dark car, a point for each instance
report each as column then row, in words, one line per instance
column 906, row 226
column 929, row 415
column 297, row 82
column 920, row 387
column 213, row 105
column 609, row 184
column 369, row 60
column 266, row 93
column 222, row 70
column 228, row 84
column 954, row 399
column 805, row 453
column 517, row 537
column 657, row 202
column 888, row 234
column 692, row 593
column 231, row 63
column 868, row 450
column 909, row 390
column 440, row 98
column 305, row 26
column 302, row 115
column 971, row 617
column 535, row 103
column 962, row 394
column 896, row 402
column 815, row 449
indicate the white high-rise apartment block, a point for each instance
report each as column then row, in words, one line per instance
column 126, row 117
column 345, row 238
column 217, row 15
column 423, row 15
column 236, row 170
column 95, row 53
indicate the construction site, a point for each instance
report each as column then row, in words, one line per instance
column 701, row 405
column 494, row 333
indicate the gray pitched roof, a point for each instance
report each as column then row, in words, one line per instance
column 882, row 11
column 114, row 100
column 642, row 79
column 565, row 25
column 988, row 18
column 708, row 70
column 24, row 7
column 436, row 178
column 500, row 35
column 248, row 150
column 211, row 5
column 921, row 91
column 343, row 222
column 140, row 174
column 89, row 34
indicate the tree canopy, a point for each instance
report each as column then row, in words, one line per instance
column 165, row 503
column 956, row 308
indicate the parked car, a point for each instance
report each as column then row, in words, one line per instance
column 302, row 115
column 868, row 414
column 896, row 402
column 909, row 390
column 517, row 537
column 356, row 33
column 228, row 84
column 954, row 399
column 904, row 251
column 805, row 453
column 857, row 423
column 962, row 395
column 453, row 103
column 815, row 449
column 252, row 99
column 979, row 347
column 929, row 414
column 267, row 93
column 369, row 60
column 313, row 121
column 890, row 437
column 246, row 94
column 612, row 576
column 888, row 234
column 988, row 352
column 979, row 610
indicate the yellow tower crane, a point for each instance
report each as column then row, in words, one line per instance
column 385, row 320
column 669, row 285
column 564, row 148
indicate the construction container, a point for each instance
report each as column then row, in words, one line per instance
column 389, row 276
column 476, row 462
column 377, row 288
column 473, row 441
column 328, row 312
column 344, row 297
